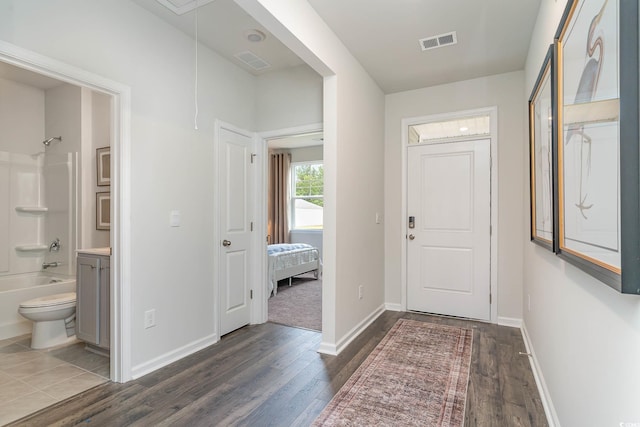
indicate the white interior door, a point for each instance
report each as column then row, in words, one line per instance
column 236, row 197
column 449, row 248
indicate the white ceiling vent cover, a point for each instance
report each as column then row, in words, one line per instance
column 180, row 7
column 252, row 60
column 441, row 40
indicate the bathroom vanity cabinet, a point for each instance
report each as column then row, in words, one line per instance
column 93, row 297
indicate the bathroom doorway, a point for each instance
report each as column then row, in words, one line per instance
column 55, row 195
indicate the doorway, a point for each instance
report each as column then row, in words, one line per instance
column 120, row 107
column 450, row 212
column 70, row 169
column 294, row 203
column 448, row 254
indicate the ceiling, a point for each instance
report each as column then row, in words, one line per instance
column 221, row 26
column 493, row 36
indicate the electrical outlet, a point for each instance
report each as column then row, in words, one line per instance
column 360, row 289
column 150, row 318
column 528, row 302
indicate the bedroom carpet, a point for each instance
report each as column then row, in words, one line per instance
column 299, row 305
column 416, row 376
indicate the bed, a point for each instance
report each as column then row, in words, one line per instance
column 287, row 260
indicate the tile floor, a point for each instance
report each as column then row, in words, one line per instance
column 34, row 379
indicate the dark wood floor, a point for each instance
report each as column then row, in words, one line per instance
column 271, row 375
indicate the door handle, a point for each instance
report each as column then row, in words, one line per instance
column 226, row 243
column 411, row 237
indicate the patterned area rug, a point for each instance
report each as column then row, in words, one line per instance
column 416, row 376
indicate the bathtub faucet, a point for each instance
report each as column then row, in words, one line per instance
column 46, row 265
column 55, row 245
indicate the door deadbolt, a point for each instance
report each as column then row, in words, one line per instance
column 226, row 243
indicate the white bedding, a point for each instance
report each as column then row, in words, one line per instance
column 285, row 263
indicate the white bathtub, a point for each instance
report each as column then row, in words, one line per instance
column 19, row 288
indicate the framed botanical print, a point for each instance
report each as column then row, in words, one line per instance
column 597, row 140
column 542, row 155
column 103, row 210
column 103, row 166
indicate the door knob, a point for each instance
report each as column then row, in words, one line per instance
column 226, row 243
column 411, row 237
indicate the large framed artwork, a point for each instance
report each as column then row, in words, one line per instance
column 542, row 155
column 597, row 140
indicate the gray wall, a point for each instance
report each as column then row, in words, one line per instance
column 171, row 162
column 585, row 336
column 506, row 92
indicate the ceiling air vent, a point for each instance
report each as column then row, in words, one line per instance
column 252, row 60
column 180, row 7
column 439, row 41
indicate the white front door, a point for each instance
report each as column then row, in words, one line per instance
column 236, row 252
column 449, row 252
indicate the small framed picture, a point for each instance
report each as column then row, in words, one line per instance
column 103, row 166
column 103, row 210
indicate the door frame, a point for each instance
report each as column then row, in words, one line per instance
column 254, row 274
column 120, row 234
column 406, row 122
column 261, row 307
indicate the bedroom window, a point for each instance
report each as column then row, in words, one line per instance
column 307, row 201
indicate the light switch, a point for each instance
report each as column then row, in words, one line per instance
column 378, row 218
column 174, row 218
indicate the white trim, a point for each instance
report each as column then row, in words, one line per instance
column 260, row 312
column 172, row 356
column 292, row 131
column 121, row 304
column 545, row 396
column 255, row 278
column 120, row 188
column 493, row 112
column 334, row 350
column 393, row 307
column 511, row 322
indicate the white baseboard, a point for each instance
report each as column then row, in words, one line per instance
column 393, row 307
column 510, row 321
column 172, row 356
column 545, row 396
column 335, row 349
column 16, row 329
column 326, row 348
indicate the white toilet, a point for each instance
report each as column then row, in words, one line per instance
column 53, row 319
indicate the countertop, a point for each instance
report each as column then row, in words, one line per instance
column 95, row 251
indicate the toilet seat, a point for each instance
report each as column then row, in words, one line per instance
column 50, row 301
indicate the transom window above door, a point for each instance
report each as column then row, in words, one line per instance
column 447, row 130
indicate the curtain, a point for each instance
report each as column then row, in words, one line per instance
column 278, row 205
